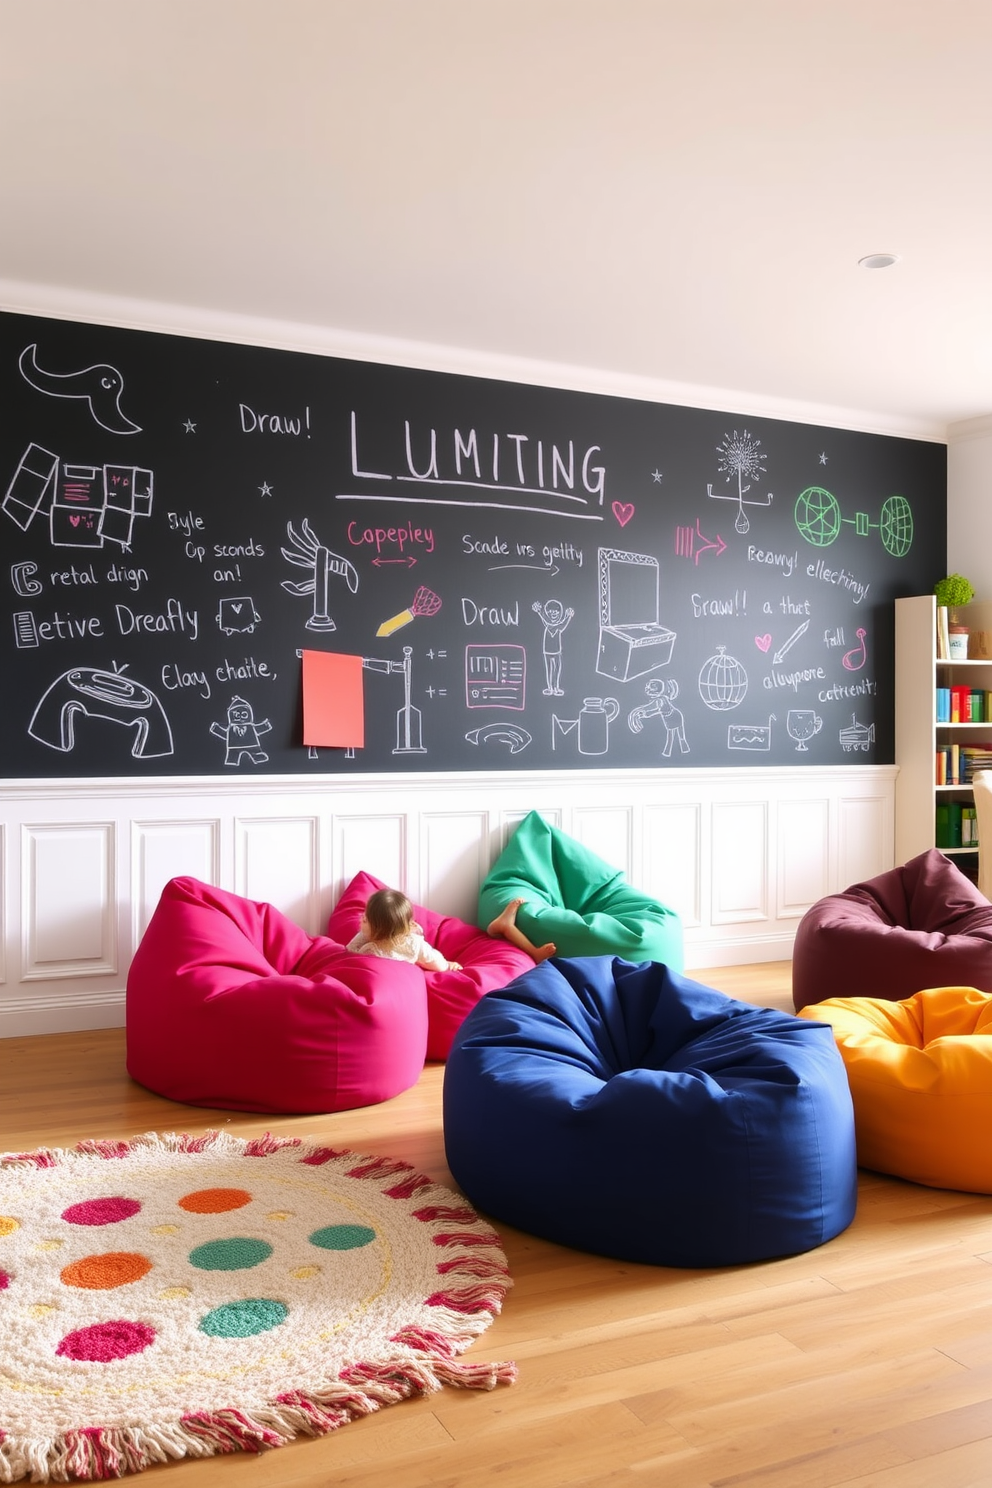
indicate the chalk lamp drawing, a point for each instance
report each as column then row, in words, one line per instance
column 818, row 518
column 409, row 719
column 632, row 639
column 554, row 616
column 308, row 552
column 592, row 727
column 661, row 704
column 242, row 734
column 741, row 459
column 88, row 692
column 100, row 386
column 424, row 602
column 801, row 724
column 722, row 681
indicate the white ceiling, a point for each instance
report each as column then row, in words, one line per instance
column 669, row 190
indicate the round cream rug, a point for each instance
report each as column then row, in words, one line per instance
column 175, row 1296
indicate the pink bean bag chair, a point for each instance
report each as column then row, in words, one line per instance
column 488, row 961
column 921, row 925
column 230, row 1004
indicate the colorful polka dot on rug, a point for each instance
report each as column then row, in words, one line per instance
column 215, row 1200
column 244, row 1319
column 100, row 1211
column 105, row 1272
column 101, row 1343
column 274, row 1288
column 237, row 1254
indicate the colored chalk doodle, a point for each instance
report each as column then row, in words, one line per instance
column 818, row 518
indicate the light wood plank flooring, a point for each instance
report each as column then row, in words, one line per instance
column 866, row 1362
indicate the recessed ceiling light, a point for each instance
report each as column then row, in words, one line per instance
column 878, row 261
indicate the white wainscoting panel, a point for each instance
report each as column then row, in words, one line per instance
column 672, row 858
column 739, row 862
column 739, row 853
column 804, row 855
column 69, row 910
column 277, row 861
column 161, row 851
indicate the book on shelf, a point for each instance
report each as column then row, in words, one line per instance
column 943, row 642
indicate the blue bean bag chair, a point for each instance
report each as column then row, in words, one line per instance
column 626, row 1110
column 577, row 900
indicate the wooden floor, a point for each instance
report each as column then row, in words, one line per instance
column 866, row 1362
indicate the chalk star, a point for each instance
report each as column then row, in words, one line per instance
column 657, row 477
column 189, row 426
column 265, row 489
column 823, row 459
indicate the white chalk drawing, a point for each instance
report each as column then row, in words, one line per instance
column 756, row 736
column 692, row 542
column 89, row 692
column 495, row 676
column 308, row 552
column 100, row 386
column 722, row 681
column 23, row 581
column 801, row 724
column 788, row 644
column 242, row 734
column 855, row 659
column 512, row 735
column 554, row 616
column 592, row 727
column 857, row 736
column 661, row 704
column 632, row 640
column 741, row 457
column 86, row 505
column 424, row 602
column 817, row 515
column 409, row 720
column 238, row 616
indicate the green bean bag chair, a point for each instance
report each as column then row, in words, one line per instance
column 578, row 901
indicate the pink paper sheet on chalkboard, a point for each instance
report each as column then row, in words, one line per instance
column 333, row 700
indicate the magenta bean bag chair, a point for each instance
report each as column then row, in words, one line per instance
column 488, row 961
column 230, row 1004
column 921, row 925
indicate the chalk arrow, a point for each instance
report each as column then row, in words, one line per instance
column 407, row 562
column 717, row 544
column 788, row 645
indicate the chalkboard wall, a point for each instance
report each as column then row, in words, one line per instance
column 529, row 578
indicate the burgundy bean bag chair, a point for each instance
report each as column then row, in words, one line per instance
column 921, row 925
column 230, row 1004
column 487, row 961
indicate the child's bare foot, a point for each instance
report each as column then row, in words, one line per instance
column 506, row 920
column 545, row 952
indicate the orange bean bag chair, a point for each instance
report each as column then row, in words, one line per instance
column 920, row 1073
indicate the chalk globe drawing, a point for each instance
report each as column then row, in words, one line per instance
column 818, row 516
column 897, row 526
column 722, row 682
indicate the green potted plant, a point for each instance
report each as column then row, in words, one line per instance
column 951, row 592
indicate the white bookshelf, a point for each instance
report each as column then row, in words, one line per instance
column 919, row 672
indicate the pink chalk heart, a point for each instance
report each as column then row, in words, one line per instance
column 623, row 511
column 73, row 521
column 763, row 642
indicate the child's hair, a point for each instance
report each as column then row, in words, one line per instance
column 388, row 913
